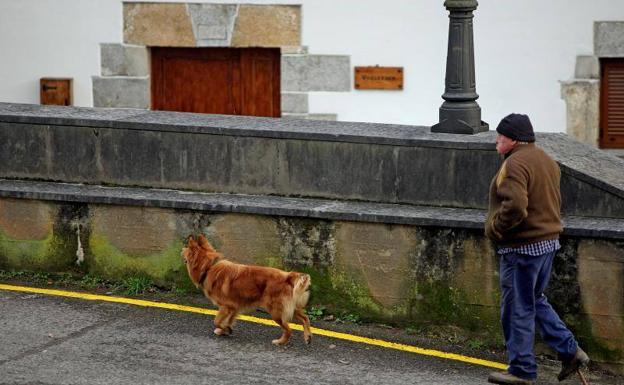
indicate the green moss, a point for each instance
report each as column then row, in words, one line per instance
column 345, row 295
column 437, row 303
column 269, row 260
column 598, row 350
column 51, row 253
column 165, row 268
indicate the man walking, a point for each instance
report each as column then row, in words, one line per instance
column 524, row 222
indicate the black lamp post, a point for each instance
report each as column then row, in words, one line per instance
column 460, row 113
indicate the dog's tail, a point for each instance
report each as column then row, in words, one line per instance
column 301, row 288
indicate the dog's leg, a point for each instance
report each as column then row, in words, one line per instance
column 301, row 316
column 228, row 321
column 278, row 316
column 220, row 326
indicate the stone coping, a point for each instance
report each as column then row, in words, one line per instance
column 282, row 206
column 138, row 119
column 596, row 167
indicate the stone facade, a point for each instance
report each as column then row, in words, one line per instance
column 121, row 91
column 267, row 26
column 124, row 60
column 608, row 38
column 582, row 98
column 124, row 80
column 304, row 73
column 160, row 25
column 582, row 93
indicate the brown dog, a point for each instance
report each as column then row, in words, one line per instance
column 235, row 288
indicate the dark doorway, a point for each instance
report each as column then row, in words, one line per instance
column 232, row 81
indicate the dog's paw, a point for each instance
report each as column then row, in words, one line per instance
column 278, row 342
column 307, row 339
column 219, row 331
column 227, row 330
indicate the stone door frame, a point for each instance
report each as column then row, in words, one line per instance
column 124, row 81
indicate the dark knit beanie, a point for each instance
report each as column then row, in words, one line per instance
column 517, row 127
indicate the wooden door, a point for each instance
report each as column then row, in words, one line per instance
column 612, row 104
column 230, row 81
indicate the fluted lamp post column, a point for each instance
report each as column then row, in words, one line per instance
column 460, row 113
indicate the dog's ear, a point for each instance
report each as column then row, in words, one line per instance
column 190, row 241
column 203, row 242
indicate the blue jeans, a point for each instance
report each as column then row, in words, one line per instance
column 523, row 280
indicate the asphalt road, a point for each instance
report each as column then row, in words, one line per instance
column 54, row 340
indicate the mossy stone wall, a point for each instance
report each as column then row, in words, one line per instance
column 386, row 273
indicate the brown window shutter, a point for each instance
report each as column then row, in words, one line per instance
column 612, row 104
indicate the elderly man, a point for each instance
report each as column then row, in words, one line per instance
column 524, row 222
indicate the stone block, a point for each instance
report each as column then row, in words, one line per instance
column 294, row 50
column 213, row 24
column 587, row 67
column 476, row 273
column 246, row 239
column 609, row 38
column 73, row 152
column 601, row 280
column 582, row 99
column 22, row 219
column 462, row 182
column 124, row 60
column 303, row 73
column 124, row 92
column 131, row 241
column 202, row 162
column 135, row 231
column 267, row 26
column 158, row 24
column 307, row 243
column 24, row 152
column 326, row 117
column 286, row 115
column 318, row 169
column 379, row 255
column 294, row 102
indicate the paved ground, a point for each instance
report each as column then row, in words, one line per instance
column 54, row 340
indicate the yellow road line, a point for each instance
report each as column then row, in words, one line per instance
column 263, row 321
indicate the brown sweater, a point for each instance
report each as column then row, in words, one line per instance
column 525, row 200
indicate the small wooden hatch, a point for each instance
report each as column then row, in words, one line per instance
column 56, row 91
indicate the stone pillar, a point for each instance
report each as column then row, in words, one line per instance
column 460, row 113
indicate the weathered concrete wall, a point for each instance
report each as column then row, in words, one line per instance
column 412, row 274
column 336, row 160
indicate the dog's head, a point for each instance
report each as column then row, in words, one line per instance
column 199, row 256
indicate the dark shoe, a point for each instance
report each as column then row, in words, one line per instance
column 508, row 378
column 580, row 359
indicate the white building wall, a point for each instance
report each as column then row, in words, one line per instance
column 522, row 50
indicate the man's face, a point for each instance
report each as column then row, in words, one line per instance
column 504, row 144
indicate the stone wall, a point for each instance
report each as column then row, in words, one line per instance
column 416, row 275
column 243, row 155
column 124, row 79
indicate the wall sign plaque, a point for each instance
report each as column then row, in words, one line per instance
column 378, row 78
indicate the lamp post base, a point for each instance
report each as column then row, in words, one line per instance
column 460, row 117
column 458, row 126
